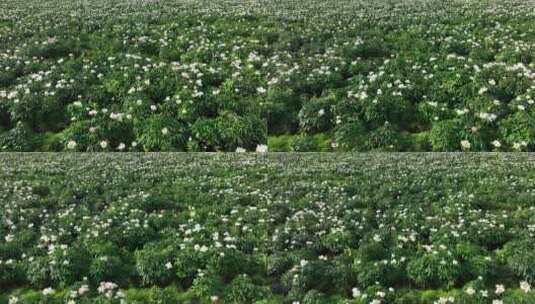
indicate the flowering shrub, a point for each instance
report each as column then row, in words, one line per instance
column 107, row 265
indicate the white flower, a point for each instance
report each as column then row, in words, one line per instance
column 121, row 146
column 261, row 90
column 13, row 300
column 168, row 265
column 48, row 291
column 465, row 144
column 441, row 300
column 83, row 289
column 261, row 148
column 103, row 144
column 165, row 131
column 525, row 286
column 499, row 289
column 214, row 298
column 134, row 144
column 497, row 302
column 356, row 292
column 104, row 287
column 9, row 238
column 470, row 291
column 152, row 107
column 321, row 112
column 240, row 150
column 444, row 300
column 496, row 143
column 71, row 145
column 516, row 146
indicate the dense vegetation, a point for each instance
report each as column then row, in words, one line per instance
column 267, row 228
column 309, row 75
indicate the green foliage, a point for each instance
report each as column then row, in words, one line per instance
column 64, row 265
column 161, row 133
column 520, row 257
column 433, row 270
column 187, row 264
column 243, row 290
column 11, row 273
column 107, row 264
column 316, row 115
column 19, row 139
column 206, row 287
column 446, row 136
column 228, row 132
column 230, row 263
column 151, row 263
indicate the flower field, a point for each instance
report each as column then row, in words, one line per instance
column 342, row 75
column 267, row 228
column 267, row 76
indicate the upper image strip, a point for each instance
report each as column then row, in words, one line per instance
column 267, row 75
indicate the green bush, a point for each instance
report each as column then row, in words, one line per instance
column 279, row 264
column 387, row 138
column 446, row 135
column 187, row 263
column 230, row 263
column 517, row 130
column 19, row 139
column 434, row 270
column 11, row 273
column 243, row 290
column 519, row 255
column 316, row 115
column 282, row 108
column 351, row 136
column 318, row 275
column 228, row 132
column 161, row 133
column 206, row 287
column 151, row 263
